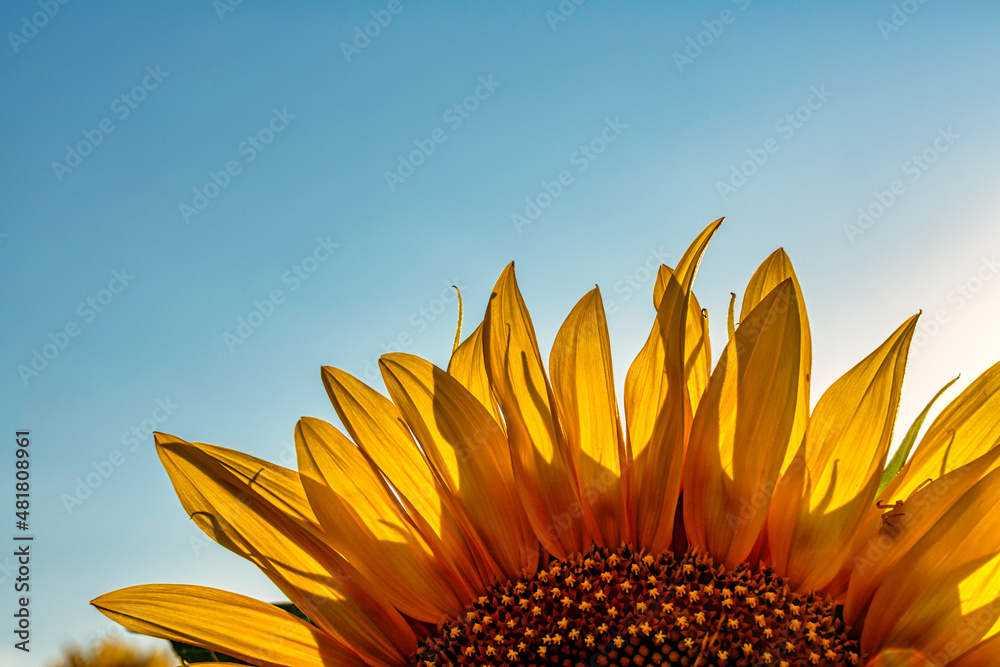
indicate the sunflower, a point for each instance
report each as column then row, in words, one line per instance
column 498, row 513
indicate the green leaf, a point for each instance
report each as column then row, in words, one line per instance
column 903, row 453
column 192, row 654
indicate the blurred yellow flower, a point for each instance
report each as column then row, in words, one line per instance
column 115, row 654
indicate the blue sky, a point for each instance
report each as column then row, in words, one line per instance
column 168, row 170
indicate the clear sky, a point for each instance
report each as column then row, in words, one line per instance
column 168, row 170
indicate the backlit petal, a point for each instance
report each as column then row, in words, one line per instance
column 231, row 624
column 470, row 452
column 547, row 474
column 468, row 366
column 658, row 416
column 958, row 566
column 377, row 427
column 583, row 385
column 315, row 578
column 366, row 524
column 772, row 271
column 839, row 466
column 658, row 401
column 740, row 434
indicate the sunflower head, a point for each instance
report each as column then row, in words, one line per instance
column 506, row 510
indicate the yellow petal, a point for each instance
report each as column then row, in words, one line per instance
column 366, row 524
column 697, row 346
column 232, row 624
column 279, row 486
column 658, row 398
column 471, row 454
column 730, row 320
column 658, row 415
column 740, row 434
column 583, row 384
column 688, row 264
column 698, row 350
column 772, row 271
column 957, row 565
column 839, row 466
column 328, row 590
column 547, row 475
column 964, row 430
column 377, row 427
column 468, row 366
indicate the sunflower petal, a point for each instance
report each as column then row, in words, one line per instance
column 658, row 415
column 232, row 624
column 470, row 452
column 377, row 427
column 663, row 383
column 547, row 475
column 740, row 434
column 697, row 346
column 688, row 264
column 468, row 366
column 842, row 457
column 730, row 320
column 279, row 486
column 687, row 267
column 965, row 429
column 583, row 385
column 366, row 524
column 772, row 271
column 315, row 578
column 958, row 565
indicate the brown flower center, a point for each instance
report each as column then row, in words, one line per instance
column 623, row 608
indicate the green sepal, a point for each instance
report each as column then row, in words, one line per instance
column 905, row 447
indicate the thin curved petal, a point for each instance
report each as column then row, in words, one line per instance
column 231, row 624
column 839, row 466
column 697, row 346
column 658, row 400
column 583, row 385
column 367, row 525
column 740, row 435
column 658, row 417
column 547, row 474
column 471, row 454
